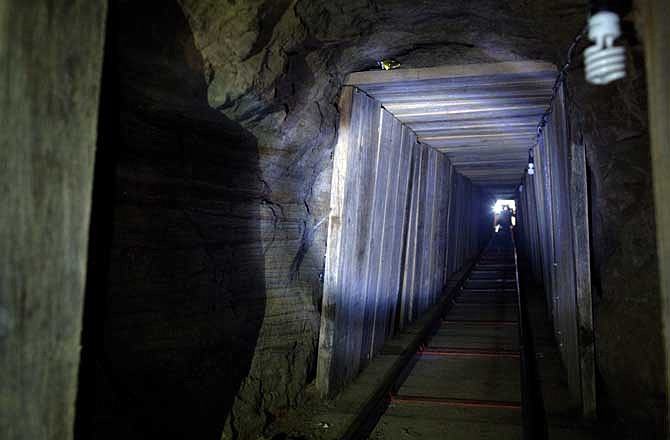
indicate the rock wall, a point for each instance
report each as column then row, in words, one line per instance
column 209, row 297
column 209, row 311
column 275, row 67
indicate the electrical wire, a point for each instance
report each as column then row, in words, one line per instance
column 558, row 82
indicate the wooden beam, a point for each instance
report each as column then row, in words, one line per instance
column 522, row 68
column 582, row 255
column 493, row 174
column 492, row 148
column 657, row 58
column 51, row 61
column 467, row 85
column 464, row 104
column 470, row 113
column 494, row 124
column 534, row 90
column 490, row 163
column 327, row 334
column 477, row 138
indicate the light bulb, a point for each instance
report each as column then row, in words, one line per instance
column 604, row 62
column 531, row 169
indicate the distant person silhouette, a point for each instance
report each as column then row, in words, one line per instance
column 505, row 219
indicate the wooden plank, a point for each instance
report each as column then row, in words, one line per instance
column 334, row 253
column 372, row 280
column 451, row 227
column 452, row 103
column 492, row 172
column 451, row 71
column 532, row 90
column 532, row 229
column 458, row 234
column 483, row 84
column 477, row 138
column 545, row 219
column 52, row 56
column 447, row 188
column 491, row 164
column 432, row 234
column 396, row 227
column 567, row 316
column 470, row 114
column 342, row 367
column 442, row 217
column 420, row 236
column 582, row 257
column 657, row 59
column 401, row 226
column 459, row 222
column 474, row 145
column 406, row 312
column 356, row 289
column 389, row 213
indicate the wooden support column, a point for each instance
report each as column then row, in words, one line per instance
column 327, row 334
column 657, row 58
column 50, row 64
column 582, row 257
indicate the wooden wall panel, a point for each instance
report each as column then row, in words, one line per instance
column 565, row 319
column 391, row 229
column 360, row 232
column 378, row 190
column 408, row 284
column 384, row 265
column 555, row 230
column 400, row 226
column 334, row 306
column 51, row 56
column 657, row 61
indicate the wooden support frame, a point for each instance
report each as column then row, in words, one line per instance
column 327, row 333
column 657, row 58
column 388, row 236
column 582, row 255
column 556, row 231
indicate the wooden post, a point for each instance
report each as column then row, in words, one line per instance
column 657, row 58
column 329, row 310
column 51, row 61
column 582, row 256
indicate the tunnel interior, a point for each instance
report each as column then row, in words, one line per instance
column 225, row 220
column 226, row 295
column 421, row 156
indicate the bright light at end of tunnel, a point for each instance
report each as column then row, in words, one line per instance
column 498, row 207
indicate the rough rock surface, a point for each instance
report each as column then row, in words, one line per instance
column 222, row 187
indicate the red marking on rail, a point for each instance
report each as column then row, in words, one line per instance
column 465, row 352
column 455, row 402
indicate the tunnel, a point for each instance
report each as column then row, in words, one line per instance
column 329, row 220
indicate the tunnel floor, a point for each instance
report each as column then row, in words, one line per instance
column 466, row 382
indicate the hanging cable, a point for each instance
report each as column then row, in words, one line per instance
column 558, row 82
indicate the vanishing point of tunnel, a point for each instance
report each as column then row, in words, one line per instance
column 334, row 219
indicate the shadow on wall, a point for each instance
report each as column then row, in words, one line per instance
column 176, row 292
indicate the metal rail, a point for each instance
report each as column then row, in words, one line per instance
column 534, row 419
